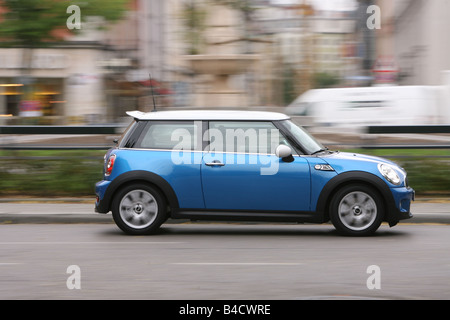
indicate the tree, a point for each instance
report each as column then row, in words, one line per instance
column 31, row 23
column 325, row 80
column 194, row 18
column 34, row 23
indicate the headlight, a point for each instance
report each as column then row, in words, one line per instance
column 389, row 173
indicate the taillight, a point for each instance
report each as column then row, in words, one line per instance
column 110, row 164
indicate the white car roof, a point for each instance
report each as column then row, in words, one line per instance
column 208, row 115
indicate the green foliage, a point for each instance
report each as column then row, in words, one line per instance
column 110, row 10
column 325, row 80
column 194, row 18
column 245, row 6
column 428, row 170
column 30, row 22
column 428, row 177
column 50, row 173
column 74, row 173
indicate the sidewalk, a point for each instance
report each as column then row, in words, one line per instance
column 81, row 210
column 13, row 211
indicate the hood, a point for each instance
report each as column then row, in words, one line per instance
column 356, row 156
column 347, row 161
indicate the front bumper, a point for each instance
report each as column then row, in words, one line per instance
column 403, row 197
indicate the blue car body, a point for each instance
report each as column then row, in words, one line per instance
column 300, row 190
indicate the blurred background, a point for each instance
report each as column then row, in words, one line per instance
column 214, row 53
column 338, row 66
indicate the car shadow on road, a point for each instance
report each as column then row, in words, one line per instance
column 257, row 229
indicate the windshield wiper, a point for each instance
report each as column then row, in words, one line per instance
column 319, row 151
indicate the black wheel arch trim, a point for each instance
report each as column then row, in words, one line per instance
column 392, row 213
column 138, row 176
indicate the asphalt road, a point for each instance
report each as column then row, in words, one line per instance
column 221, row 261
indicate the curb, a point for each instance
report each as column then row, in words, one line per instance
column 90, row 200
column 38, row 218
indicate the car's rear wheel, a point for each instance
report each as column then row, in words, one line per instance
column 356, row 210
column 139, row 209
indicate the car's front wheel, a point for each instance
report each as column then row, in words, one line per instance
column 139, row 209
column 356, row 210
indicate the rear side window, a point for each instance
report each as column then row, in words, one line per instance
column 169, row 135
column 125, row 139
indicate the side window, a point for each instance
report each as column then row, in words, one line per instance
column 170, row 135
column 125, row 138
column 244, row 137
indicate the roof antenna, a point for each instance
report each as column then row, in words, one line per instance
column 153, row 94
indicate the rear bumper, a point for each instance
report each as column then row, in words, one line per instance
column 101, row 205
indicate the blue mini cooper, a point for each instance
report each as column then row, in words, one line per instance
column 243, row 166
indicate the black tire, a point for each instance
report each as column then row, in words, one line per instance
column 139, row 209
column 357, row 210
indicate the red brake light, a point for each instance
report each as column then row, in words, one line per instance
column 110, row 164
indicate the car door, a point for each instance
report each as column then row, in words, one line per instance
column 241, row 172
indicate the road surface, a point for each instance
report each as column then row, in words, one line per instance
column 223, row 261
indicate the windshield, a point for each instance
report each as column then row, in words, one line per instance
column 309, row 144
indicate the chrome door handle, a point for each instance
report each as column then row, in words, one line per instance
column 215, row 163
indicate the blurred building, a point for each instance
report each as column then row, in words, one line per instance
column 288, row 26
column 60, row 81
column 313, row 45
column 422, row 44
column 363, row 47
column 160, row 38
column 411, row 47
column 264, row 56
column 134, row 50
column 151, row 37
column 335, row 44
column 226, row 59
column 98, row 74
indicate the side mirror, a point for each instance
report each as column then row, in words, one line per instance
column 284, row 152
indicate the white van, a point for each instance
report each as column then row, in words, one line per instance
column 364, row 106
